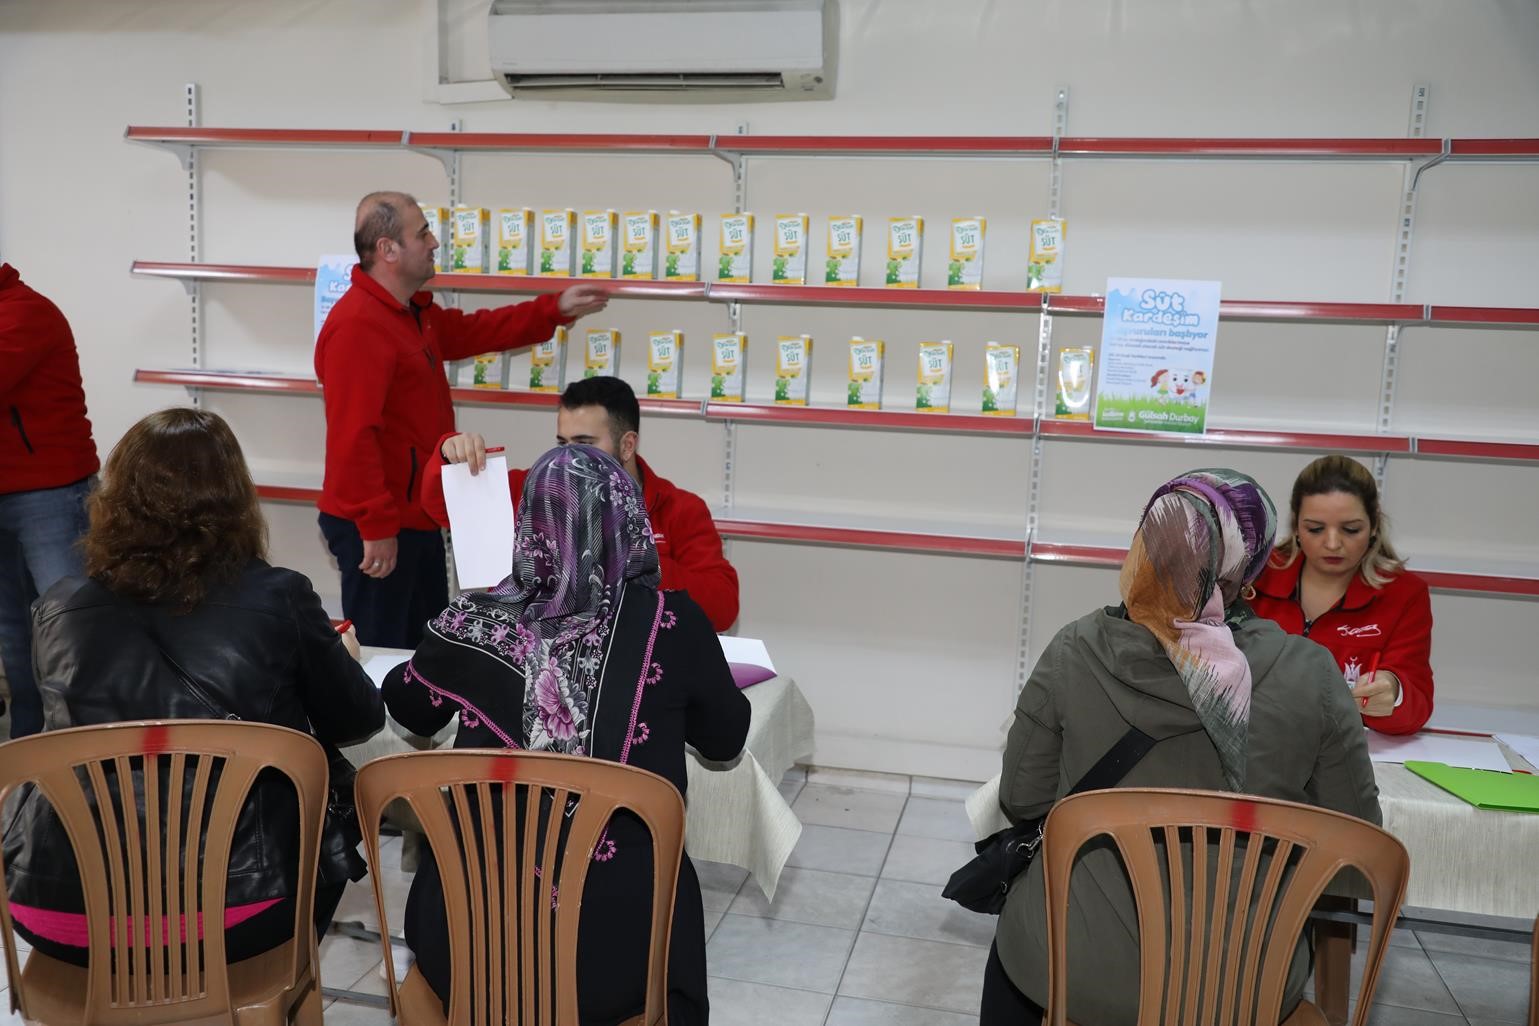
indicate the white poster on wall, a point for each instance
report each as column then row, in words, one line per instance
column 1157, row 342
column 333, row 277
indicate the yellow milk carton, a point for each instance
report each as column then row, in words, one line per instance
column 905, row 250
column 489, row 370
column 515, row 230
column 729, row 355
column 1076, row 370
column 547, row 363
column 1044, row 264
column 556, row 230
column 865, row 392
column 441, row 224
column 793, row 369
column 1001, row 379
column 638, row 258
column 682, row 259
column 599, row 228
column 843, row 266
column 601, row 354
column 790, row 267
column 933, row 394
column 665, row 364
column 965, row 271
column 472, row 240
column 736, row 259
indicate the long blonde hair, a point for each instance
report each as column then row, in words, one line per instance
column 1339, row 474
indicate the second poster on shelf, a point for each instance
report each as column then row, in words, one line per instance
column 1157, row 342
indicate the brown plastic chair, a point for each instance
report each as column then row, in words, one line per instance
column 129, row 882
column 513, row 939
column 1237, row 978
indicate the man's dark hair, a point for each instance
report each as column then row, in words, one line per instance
column 379, row 217
column 611, row 393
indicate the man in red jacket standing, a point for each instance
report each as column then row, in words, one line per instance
column 47, row 468
column 379, row 359
column 603, row 412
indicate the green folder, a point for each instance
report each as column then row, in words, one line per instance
column 1484, row 789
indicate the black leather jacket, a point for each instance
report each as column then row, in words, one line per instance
column 260, row 647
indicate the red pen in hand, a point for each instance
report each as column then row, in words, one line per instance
column 344, row 626
column 1373, row 668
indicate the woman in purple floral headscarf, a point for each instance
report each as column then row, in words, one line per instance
column 578, row 652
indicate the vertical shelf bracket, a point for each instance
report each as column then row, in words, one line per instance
column 192, row 164
column 1400, row 270
column 739, row 165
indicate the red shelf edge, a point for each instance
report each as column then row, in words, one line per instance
column 555, row 142
column 223, row 381
column 1485, row 315
column 287, row 493
column 1469, row 448
column 1493, row 147
column 1240, row 438
column 758, row 530
column 833, row 416
column 186, row 136
column 896, row 145
column 813, row 295
column 1267, row 310
column 224, row 272
column 1082, row 555
column 1490, row 584
column 1247, row 147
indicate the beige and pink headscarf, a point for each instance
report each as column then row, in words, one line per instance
column 1202, row 538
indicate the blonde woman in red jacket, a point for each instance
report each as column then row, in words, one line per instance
column 1338, row 581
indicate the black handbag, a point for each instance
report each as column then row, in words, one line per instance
column 983, row 883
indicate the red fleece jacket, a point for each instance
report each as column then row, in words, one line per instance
column 387, row 400
column 1394, row 622
column 688, row 545
column 45, row 441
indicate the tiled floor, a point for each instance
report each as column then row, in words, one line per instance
column 858, row 934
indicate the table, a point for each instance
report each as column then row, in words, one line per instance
column 1462, row 860
column 735, row 812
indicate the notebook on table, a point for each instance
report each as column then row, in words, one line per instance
column 1484, row 789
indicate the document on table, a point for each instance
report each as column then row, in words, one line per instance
column 480, row 522
column 749, row 651
column 1527, row 747
column 377, row 666
column 1449, row 749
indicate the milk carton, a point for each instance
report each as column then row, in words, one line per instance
column 933, row 394
column 515, row 235
column 1001, row 379
column 729, row 355
column 489, row 370
column 681, row 261
column 865, row 392
column 736, row 261
column 1076, row 370
column 1044, row 263
column 790, row 267
column 601, row 354
column 965, row 271
column 665, row 364
column 639, row 245
column 547, row 363
column 472, row 240
column 556, row 230
column 599, row 228
column 905, row 250
column 843, row 266
column 441, row 224
column 793, row 369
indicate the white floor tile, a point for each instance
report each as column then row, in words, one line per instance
column 738, row 1003
column 942, row 788
column 811, row 896
column 837, row 850
column 823, row 805
column 719, row 883
column 906, row 971
column 849, row 1011
column 925, row 859
column 779, row 953
column 892, row 783
column 944, row 819
column 917, row 910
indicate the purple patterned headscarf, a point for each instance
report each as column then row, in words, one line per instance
column 1202, row 538
column 582, row 534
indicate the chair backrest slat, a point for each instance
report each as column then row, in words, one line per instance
column 175, row 911
column 514, row 905
column 1238, row 939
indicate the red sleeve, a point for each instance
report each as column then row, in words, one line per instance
column 462, row 335
column 356, row 376
column 1407, row 654
column 24, row 339
column 696, row 563
column 432, row 492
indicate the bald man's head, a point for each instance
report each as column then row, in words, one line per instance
column 381, row 215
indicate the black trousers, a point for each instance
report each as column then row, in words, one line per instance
column 391, row 612
column 1003, row 1004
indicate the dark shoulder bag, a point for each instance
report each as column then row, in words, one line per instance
column 982, row 884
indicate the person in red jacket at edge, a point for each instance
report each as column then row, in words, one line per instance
column 379, row 359
column 603, row 412
column 48, row 467
column 1339, row 582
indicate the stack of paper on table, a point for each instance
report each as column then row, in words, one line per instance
column 1466, row 750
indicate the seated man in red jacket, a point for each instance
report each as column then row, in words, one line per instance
column 603, row 412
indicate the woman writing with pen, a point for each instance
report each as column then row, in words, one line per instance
column 1338, row 581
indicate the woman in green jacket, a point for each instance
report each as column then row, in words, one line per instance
column 1231, row 701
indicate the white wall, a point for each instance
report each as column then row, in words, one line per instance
column 908, row 660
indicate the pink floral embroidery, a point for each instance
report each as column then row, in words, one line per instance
column 604, row 850
column 642, row 733
column 670, row 620
column 555, row 713
column 655, row 673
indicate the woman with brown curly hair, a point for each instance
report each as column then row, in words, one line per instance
column 179, row 616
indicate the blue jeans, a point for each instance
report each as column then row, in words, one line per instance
column 38, row 535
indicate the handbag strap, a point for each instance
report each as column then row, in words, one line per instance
column 1114, row 765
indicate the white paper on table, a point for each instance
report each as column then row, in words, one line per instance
column 750, row 651
column 1527, row 747
column 1450, row 749
column 377, row 666
column 480, row 522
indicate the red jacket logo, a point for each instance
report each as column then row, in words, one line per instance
column 1367, row 631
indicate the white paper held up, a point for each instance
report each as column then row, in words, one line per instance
column 1527, row 747
column 1428, row 746
column 750, row 651
column 480, row 522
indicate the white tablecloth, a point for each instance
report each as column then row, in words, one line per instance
column 1463, row 859
column 736, row 813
